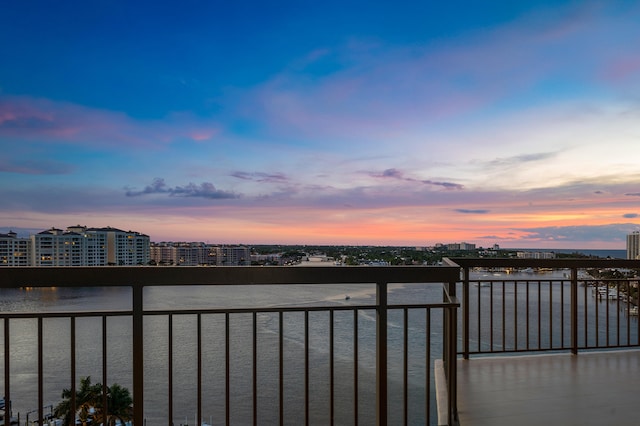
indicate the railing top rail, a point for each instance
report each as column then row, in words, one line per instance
column 542, row 263
column 11, row 277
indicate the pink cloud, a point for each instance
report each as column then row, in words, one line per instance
column 622, row 69
column 36, row 119
column 203, row 135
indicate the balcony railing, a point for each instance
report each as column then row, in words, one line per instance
column 349, row 361
column 536, row 305
column 323, row 360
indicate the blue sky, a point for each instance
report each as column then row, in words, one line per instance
column 514, row 123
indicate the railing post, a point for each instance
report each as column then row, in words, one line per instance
column 40, row 373
column 450, row 352
column 465, row 312
column 7, row 370
column 381, row 354
column 574, row 311
column 73, row 369
column 138, row 356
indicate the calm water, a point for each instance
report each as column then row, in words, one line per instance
column 89, row 351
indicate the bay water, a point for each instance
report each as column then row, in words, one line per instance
column 56, row 344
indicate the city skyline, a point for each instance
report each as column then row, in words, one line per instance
column 342, row 124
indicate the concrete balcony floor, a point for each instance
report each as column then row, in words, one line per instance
column 591, row 388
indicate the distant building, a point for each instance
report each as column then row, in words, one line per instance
column 467, row 246
column 14, row 251
column 535, row 255
column 196, row 253
column 319, row 258
column 461, row 246
column 272, row 258
column 75, row 246
column 181, row 253
column 55, row 247
column 633, row 245
column 231, row 255
column 124, row 247
column 488, row 253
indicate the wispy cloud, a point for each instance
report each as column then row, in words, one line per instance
column 379, row 89
column 390, row 173
column 446, row 185
column 203, row 190
column 261, row 177
column 399, row 175
column 472, row 211
column 630, row 215
column 621, row 69
column 518, row 160
column 35, row 167
column 580, row 233
column 35, row 119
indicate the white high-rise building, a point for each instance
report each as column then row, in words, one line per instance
column 14, row 251
column 77, row 246
column 181, row 253
column 231, row 255
column 198, row 253
column 633, row 245
column 535, row 255
column 55, row 247
column 467, row 246
column 112, row 246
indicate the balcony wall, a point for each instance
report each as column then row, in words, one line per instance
column 332, row 360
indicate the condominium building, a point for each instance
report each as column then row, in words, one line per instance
column 231, row 255
column 535, row 255
column 162, row 253
column 633, row 245
column 467, row 246
column 123, row 247
column 181, row 253
column 461, row 246
column 14, row 251
column 55, row 247
column 75, row 246
column 196, row 253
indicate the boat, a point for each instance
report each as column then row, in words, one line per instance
column 347, row 297
column 6, row 414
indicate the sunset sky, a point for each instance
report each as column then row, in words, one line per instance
column 377, row 123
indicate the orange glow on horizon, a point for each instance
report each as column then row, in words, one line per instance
column 402, row 226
